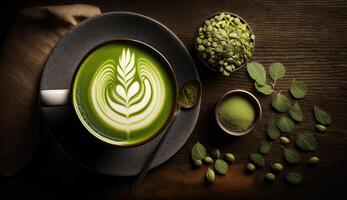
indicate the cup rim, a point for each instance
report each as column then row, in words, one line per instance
column 255, row 102
column 162, row 59
column 196, row 36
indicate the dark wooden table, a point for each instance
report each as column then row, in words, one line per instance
column 308, row 37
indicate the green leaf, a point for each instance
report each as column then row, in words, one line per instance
column 198, row 152
column 294, row 178
column 285, row 124
column 322, row 116
column 264, row 89
column 272, row 130
column 277, row 71
column 306, row 141
column 257, row 159
column 281, row 103
column 264, row 147
column 298, row 89
column 292, row 156
column 257, row 72
column 295, row 112
column 221, row 166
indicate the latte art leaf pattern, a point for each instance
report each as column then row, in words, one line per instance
column 129, row 94
column 128, row 87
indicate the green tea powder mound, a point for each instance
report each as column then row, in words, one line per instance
column 236, row 113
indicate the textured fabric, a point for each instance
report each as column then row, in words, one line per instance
column 22, row 56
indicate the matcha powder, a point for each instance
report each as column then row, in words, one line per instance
column 236, row 113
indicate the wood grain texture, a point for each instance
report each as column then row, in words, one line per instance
column 307, row 36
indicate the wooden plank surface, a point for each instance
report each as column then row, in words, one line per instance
column 307, row 36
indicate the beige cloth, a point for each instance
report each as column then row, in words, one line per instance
column 22, row 56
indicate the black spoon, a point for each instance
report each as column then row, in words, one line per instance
column 192, row 100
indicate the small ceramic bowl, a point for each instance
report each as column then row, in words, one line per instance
column 196, row 45
column 252, row 99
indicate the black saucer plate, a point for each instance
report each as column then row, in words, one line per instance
column 62, row 122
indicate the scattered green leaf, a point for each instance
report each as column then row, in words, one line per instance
column 272, row 130
column 294, row 178
column 264, row 147
column 322, row 116
column 198, row 152
column 298, row 89
column 285, row 124
column 257, row 159
column 265, row 89
column 295, row 112
column 292, row 156
column 281, row 103
column 306, row 141
column 221, row 166
column 277, row 71
column 257, row 72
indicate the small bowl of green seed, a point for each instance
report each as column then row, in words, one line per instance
column 224, row 42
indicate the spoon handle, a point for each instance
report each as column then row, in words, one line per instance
column 147, row 165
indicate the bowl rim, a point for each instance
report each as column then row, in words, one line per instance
column 196, row 45
column 255, row 102
column 168, row 67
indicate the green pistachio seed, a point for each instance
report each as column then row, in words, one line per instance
column 208, row 160
column 210, row 176
column 277, row 167
column 250, row 167
column 197, row 163
column 313, row 160
column 229, row 157
column 225, row 73
column 228, row 68
column 270, row 177
column 321, row 127
column 216, row 153
column 237, row 20
column 284, row 140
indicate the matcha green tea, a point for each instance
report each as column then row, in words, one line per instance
column 236, row 113
column 123, row 93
